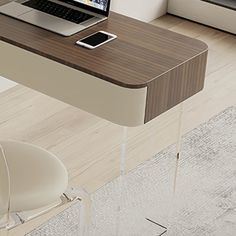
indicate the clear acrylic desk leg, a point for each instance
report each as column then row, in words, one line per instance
column 178, row 145
column 123, row 153
column 176, row 168
column 123, row 156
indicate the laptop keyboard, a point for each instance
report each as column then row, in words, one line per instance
column 58, row 10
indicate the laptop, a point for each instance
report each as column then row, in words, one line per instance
column 65, row 17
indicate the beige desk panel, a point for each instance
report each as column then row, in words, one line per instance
column 117, row 104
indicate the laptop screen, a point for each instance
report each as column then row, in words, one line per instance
column 99, row 4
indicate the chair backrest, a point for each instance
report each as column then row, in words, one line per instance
column 4, row 184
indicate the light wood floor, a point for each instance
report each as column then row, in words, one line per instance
column 90, row 146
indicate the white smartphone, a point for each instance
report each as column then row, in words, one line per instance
column 95, row 40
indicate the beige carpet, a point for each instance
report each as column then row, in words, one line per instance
column 204, row 203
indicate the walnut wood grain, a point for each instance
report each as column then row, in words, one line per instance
column 175, row 86
column 171, row 65
column 4, row 2
column 141, row 53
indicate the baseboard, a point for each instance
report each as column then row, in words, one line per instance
column 205, row 13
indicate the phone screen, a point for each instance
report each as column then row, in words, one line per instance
column 96, row 39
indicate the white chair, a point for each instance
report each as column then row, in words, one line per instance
column 30, row 178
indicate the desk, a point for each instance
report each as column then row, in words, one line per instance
column 129, row 81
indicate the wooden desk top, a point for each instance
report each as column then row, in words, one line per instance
column 153, row 69
column 140, row 54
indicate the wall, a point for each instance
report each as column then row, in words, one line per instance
column 144, row 10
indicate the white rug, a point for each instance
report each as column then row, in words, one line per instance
column 204, row 203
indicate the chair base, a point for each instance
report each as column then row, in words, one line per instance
column 30, row 220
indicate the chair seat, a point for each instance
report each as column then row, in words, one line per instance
column 37, row 177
